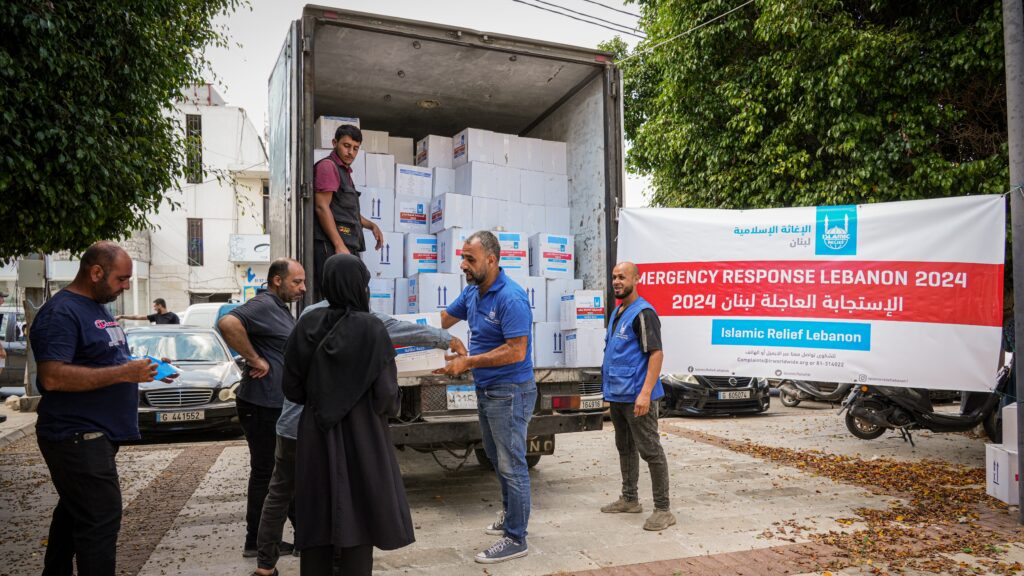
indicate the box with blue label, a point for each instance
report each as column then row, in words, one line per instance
column 434, row 152
column 584, row 348
column 389, row 261
column 548, row 345
column 552, row 255
column 450, row 211
column 582, row 309
column 418, row 360
column 413, row 181
column 382, row 295
column 420, row 253
column 433, row 292
column 536, row 295
column 378, row 206
column 471, row 145
column 411, row 214
column 557, row 288
column 449, row 249
column 515, row 253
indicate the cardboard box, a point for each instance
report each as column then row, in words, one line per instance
column 443, row 181
column 450, row 211
column 553, row 158
column 548, row 345
column 380, row 170
column 321, row 153
column 359, row 170
column 584, row 348
column 517, row 153
column 1009, row 416
column 402, row 296
column 500, row 148
column 556, row 289
column 532, row 188
column 471, row 145
column 402, row 150
column 487, row 213
column 382, row 295
column 552, row 255
column 378, row 206
column 411, row 214
column 1003, row 475
column 433, row 292
column 515, row 253
column 420, row 253
column 418, row 360
column 389, row 261
column 434, row 152
column 325, row 126
column 374, row 142
column 556, row 190
column 413, row 180
column 509, row 183
column 478, row 179
column 449, row 250
column 534, row 154
column 536, row 295
column 557, row 220
column 512, row 217
column 534, row 219
column 582, row 309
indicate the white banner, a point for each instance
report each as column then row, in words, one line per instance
column 895, row 294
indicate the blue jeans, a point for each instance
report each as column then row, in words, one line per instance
column 505, row 411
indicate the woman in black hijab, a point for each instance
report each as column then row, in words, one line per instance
column 339, row 363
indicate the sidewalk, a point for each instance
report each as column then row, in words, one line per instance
column 17, row 426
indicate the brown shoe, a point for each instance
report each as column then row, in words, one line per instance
column 660, row 520
column 623, row 506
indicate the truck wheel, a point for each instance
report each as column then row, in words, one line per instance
column 482, row 459
column 531, row 461
column 994, row 426
column 862, row 428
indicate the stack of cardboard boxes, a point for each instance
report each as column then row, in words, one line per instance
column 1001, row 461
column 452, row 187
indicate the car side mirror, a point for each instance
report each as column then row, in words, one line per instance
column 240, row 362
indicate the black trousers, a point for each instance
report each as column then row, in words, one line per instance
column 259, row 424
column 87, row 518
column 326, row 561
column 322, row 250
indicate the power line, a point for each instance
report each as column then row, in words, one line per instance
column 584, row 14
column 579, row 19
column 697, row 27
column 613, row 8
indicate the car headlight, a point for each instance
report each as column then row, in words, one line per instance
column 762, row 382
column 688, row 379
column 227, row 394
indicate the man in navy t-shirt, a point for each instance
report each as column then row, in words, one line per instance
column 499, row 320
column 90, row 401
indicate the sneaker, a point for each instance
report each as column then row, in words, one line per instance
column 497, row 528
column 504, row 549
column 660, row 520
column 623, row 506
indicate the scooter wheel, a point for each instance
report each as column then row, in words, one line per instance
column 788, row 400
column 862, row 428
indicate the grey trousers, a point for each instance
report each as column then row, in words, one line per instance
column 276, row 506
column 637, row 438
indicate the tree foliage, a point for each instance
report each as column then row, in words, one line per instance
column 809, row 102
column 86, row 90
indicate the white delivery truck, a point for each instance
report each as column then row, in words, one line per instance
column 413, row 79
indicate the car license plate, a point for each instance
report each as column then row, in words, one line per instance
column 591, row 404
column 461, row 397
column 735, row 395
column 191, row 416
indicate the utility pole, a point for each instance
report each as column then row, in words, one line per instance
column 1013, row 42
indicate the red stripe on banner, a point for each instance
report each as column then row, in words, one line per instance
column 936, row 292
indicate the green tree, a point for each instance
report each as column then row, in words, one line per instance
column 88, row 144
column 806, row 102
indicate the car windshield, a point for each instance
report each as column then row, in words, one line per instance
column 178, row 347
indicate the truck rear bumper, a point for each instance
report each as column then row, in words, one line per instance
column 465, row 430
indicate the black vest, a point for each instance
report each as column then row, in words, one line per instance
column 345, row 209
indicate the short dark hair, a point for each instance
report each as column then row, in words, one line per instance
column 160, row 302
column 279, row 267
column 488, row 241
column 350, row 131
column 102, row 253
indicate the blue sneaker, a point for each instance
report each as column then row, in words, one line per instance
column 504, row 549
column 497, row 528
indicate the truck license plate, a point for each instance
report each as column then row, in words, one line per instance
column 736, row 395
column 540, row 445
column 461, row 397
column 591, row 404
column 191, row 416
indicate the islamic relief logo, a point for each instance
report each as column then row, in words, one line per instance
column 836, row 231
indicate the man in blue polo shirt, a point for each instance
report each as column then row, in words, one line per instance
column 499, row 319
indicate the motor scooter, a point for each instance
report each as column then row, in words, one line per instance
column 792, row 392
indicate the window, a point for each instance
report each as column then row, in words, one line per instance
column 194, row 155
column 266, row 206
column 195, row 241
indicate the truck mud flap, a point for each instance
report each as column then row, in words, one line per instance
column 468, row 430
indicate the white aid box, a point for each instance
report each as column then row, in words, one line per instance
column 450, row 211
column 420, row 253
column 553, row 159
column 557, row 220
column 556, row 289
column 433, row 292
column 325, row 126
column 517, row 154
column 582, row 309
column 556, row 190
column 500, row 148
column 449, row 249
column 1002, row 476
column 509, row 183
column 411, row 214
column 382, row 295
column 402, row 150
column 478, row 179
column 512, row 214
column 471, row 145
column 413, row 180
column 378, row 206
column 419, row 360
column 584, row 348
column 380, row 170
column 534, row 219
column 532, row 188
column 374, row 142
column 552, row 255
column 487, row 213
column 434, row 152
column 321, row 153
column 534, row 154
column 536, row 295
column 389, row 261
column 402, row 296
column 443, row 181
column 548, row 345
column 515, row 253
column 359, row 170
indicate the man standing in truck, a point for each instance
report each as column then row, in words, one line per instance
column 630, row 374
column 339, row 225
column 500, row 319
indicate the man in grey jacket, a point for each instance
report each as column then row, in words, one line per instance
column 282, row 482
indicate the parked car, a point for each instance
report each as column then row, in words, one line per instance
column 203, row 395
column 12, row 336
column 206, row 315
column 690, row 395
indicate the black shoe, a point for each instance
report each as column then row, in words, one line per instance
column 285, row 548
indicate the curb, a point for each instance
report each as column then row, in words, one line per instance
column 16, row 434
